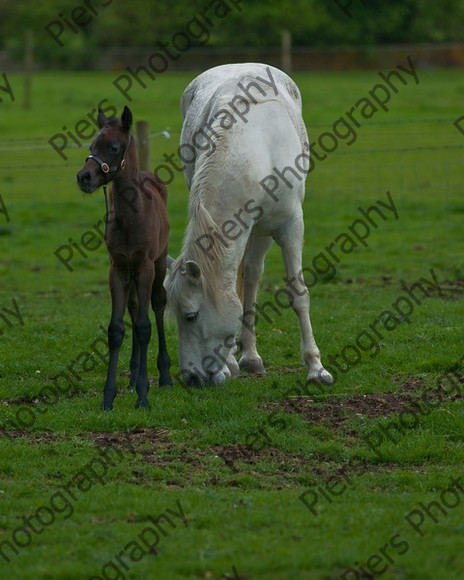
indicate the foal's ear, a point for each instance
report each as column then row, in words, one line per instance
column 193, row 272
column 101, row 119
column 126, row 119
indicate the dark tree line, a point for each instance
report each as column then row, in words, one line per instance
column 68, row 27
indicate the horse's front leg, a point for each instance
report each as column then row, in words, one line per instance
column 290, row 239
column 119, row 290
column 142, row 329
column 254, row 265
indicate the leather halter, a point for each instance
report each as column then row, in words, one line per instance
column 105, row 167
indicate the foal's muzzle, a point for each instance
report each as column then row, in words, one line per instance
column 88, row 181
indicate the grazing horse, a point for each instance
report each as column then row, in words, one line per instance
column 246, row 157
column 137, row 240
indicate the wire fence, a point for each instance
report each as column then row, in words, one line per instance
column 33, row 144
column 419, row 159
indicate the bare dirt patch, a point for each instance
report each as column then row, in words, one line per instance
column 136, row 437
column 452, row 289
column 335, row 412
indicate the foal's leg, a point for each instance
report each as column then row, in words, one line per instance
column 142, row 329
column 135, row 355
column 158, row 302
column 119, row 288
column 290, row 239
column 254, row 265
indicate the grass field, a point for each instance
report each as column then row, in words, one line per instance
column 232, row 462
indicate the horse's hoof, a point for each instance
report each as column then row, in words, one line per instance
column 106, row 406
column 233, row 367
column 320, row 377
column 254, row 366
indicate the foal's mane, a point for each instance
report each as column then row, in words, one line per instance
column 112, row 121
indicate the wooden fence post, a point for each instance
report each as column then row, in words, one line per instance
column 286, row 48
column 28, row 67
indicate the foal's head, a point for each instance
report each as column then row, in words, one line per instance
column 108, row 152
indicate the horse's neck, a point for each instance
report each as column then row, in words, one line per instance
column 126, row 195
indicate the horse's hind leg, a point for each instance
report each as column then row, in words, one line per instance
column 142, row 329
column 135, row 355
column 254, row 264
column 158, row 302
column 290, row 239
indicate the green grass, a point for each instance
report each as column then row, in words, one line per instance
column 241, row 504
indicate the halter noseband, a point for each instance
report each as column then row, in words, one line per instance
column 105, row 167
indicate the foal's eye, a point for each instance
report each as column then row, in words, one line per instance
column 115, row 147
column 191, row 316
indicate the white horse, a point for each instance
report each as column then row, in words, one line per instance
column 242, row 122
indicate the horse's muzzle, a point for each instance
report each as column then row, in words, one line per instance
column 86, row 181
column 197, row 381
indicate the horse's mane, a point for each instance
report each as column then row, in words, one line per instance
column 200, row 223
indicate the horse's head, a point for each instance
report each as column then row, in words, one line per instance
column 206, row 325
column 107, row 151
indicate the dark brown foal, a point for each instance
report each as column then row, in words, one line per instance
column 137, row 242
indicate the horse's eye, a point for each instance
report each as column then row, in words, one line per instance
column 114, row 147
column 191, row 316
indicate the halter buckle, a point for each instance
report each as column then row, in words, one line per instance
column 105, row 168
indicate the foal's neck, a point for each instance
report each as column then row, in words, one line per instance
column 126, row 193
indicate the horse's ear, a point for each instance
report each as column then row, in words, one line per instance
column 169, row 261
column 101, row 119
column 192, row 270
column 126, row 119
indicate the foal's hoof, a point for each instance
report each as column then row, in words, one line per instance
column 142, row 403
column 106, row 406
column 165, row 383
